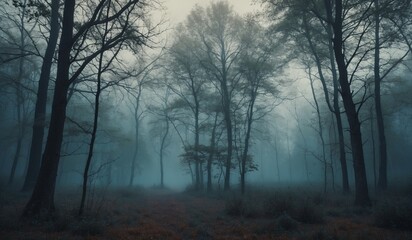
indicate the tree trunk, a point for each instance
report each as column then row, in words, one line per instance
column 20, row 131
column 16, row 156
column 335, row 109
column 277, row 159
column 289, row 157
column 19, row 96
column 197, row 162
column 247, row 138
column 41, row 101
column 92, row 140
column 373, row 150
column 361, row 191
column 162, row 147
column 320, row 129
column 383, row 156
column 42, row 199
column 95, row 120
column 338, row 117
column 136, row 134
column 211, row 155
column 228, row 122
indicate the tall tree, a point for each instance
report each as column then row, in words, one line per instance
column 189, row 86
column 257, row 64
column 42, row 199
column 216, row 29
column 304, row 24
column 140, row 78
column 161, row 125
column 17, row 58
column 351, row 110
column 41, row 100
column 387, row 38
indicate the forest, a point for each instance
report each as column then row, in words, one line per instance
column 289, row 119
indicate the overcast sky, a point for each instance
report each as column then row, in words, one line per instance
column 177, row 10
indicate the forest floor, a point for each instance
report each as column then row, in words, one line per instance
column 136, row 213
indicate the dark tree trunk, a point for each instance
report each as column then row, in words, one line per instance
column 335, row 108
column 197, row 162
column 162, row 147
column 247, row 137
column 41, row 101
column 342, row 153
column 95, row 120
column 338, row 117
column 229, row 132
column 383, row 156
column 16, row 155
column 19, row 97
column 361, row 186
column 277, row 159
column 42, row 199
column 289, row 158
column 20, row 130
column 320, row 132
column 92, row 140
column 373, row 150
column 136, row 134
column 211, row 155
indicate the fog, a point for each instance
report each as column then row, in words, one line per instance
column 222, row 109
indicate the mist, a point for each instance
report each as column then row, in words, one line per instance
column 205, row 119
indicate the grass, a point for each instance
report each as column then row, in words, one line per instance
column 394, row 214
column 269, row 204
column 264, row 213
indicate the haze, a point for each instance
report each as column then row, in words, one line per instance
column 205, row 119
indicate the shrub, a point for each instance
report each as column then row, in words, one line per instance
column 394, row 214
column 309, row 213
column 278, row 204
column 241, row 206
column 286, row 222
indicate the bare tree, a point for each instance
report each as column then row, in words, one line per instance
column 42, row 199
column 189, row 85
column 345, row 80
column 41, row 100
column 216, row 30
column 257, row 64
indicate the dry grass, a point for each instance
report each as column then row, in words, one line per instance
column 163, row 214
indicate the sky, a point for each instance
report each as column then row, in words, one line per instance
column 177, row 10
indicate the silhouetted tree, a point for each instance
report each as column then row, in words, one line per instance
column 216, row 29
column 39, row 123
column 42, row 199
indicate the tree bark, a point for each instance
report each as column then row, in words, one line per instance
column 136, row 134
column 247, row 139
column 42, row 198
column 211, row 155
column 41, row 101
column 338, row 117
column 95, row 120
column 320, row 129
column 361, row 186
column 19, row 96
column 197, row 161
column 162, row 147
column 229, row 132
column 335, row 109
column 383, row 156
